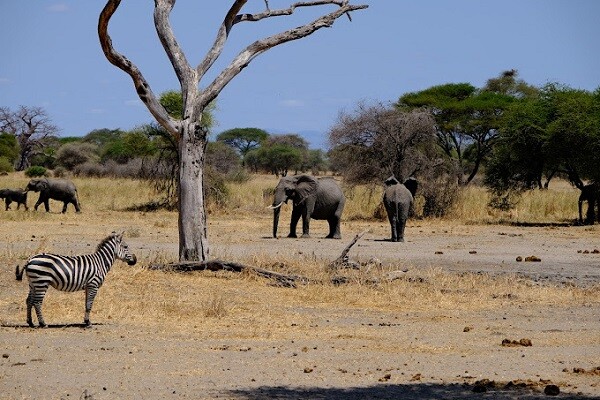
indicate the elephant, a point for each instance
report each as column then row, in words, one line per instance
column 57, row 189
column 591, row 194
column 18, row 196
column 312, row 198
column 398, row 200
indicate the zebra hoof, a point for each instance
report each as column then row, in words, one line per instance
column 43, row 326
column 87, row 324
column 30, row 323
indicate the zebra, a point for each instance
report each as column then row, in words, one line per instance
column 72, row 273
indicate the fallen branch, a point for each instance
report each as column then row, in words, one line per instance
column 342, row 260
column 218, row 265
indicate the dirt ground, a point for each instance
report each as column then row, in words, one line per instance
column 324, row 353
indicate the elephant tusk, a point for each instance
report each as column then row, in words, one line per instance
column 275, row 207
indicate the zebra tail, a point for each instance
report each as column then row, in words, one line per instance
column 19, row 274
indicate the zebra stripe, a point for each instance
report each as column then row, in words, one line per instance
column 72, row 273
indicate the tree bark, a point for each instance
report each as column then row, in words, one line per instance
column 193, row 235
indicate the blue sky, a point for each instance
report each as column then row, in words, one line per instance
column 51, row 57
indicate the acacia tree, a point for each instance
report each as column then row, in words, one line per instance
column 189, row 132
column 31, row 126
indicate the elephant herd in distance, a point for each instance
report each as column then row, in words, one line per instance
column 312, row 198
column 56, row 189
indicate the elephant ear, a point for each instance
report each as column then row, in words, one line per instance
column 391, row 181
column 305, row 186
column 411, row 184
column 43, row 183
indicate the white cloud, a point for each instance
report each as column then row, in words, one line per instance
column 58, row 7
column 292, row 103
column 4, row 81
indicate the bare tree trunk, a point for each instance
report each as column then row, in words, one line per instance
column 193, row 238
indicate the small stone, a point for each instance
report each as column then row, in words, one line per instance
column 532, row 259
column 519, row 259
column 551, row 390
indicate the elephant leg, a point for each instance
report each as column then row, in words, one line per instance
column 64, row 210
column 334, row 228
column 47, row 205
column 7, row 202
column 305, row 225
column 394, row 227
column 76, row 204
column 37, row 203
column 293, row 222
column 401, row 224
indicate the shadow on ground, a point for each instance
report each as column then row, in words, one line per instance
column 418, row 391
column 52, row 326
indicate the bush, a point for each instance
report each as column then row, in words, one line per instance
column 71, row 155
column 35, row 171
column 5, row 165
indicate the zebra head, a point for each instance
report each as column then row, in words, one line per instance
column 122, row 250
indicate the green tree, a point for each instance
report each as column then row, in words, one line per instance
column 468, row 119
column 243, row 139
column 9, row 147
column 277, row 159
column 556, row 132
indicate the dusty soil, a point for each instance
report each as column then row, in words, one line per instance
column 329, row 353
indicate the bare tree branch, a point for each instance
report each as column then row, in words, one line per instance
column 183, row 70
column 120, row 61
column 244, row 58
column 219, row 44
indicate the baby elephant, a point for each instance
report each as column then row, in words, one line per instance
column 398, row 200
column 10, row 195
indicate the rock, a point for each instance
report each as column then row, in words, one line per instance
column 532, row 259
column 519, row 259
column 551, row 390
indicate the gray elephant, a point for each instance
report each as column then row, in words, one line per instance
column 398, row 199
column 591, row 194
column 10, row 195
column 312, row 198
column 55, row 189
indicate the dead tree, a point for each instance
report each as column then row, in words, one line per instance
column 188, row 132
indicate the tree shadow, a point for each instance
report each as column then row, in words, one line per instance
column 416, row 391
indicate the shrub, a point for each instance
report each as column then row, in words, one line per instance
column 73, row 154
column 5, row 165
column 35, row 171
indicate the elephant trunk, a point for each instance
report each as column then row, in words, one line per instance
column 278, row 200
column 276, row 212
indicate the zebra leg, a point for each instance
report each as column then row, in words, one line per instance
column 90, row 295
column 35, row 298
column 29, row 303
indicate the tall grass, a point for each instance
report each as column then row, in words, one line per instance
column 558, row 204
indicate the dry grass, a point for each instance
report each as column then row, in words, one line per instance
column 184, row 302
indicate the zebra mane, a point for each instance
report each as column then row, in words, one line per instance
column 106, row 240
